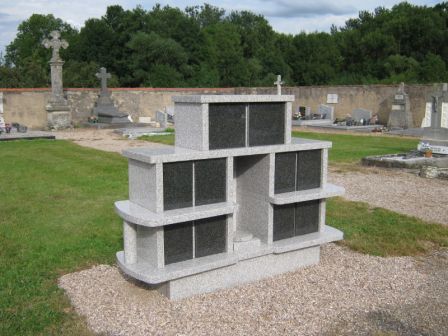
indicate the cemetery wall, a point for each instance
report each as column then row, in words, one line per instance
column 27, row 106
column 376, row 98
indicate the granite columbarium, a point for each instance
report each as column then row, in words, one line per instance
column 105, row 109
column 234, row 201
column 59, row 115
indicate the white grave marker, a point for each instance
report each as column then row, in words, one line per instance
column 426, row 122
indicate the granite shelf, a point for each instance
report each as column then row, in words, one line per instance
column 162, row 155
column 328, row 234
column 137, row 214
column 204, row 99
column 147, row 273
column 330, row 190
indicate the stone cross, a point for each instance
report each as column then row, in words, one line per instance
column 56, row 44
column 103, row 76
column 279, row 83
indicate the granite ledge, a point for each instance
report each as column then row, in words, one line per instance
column 151, row 275
column 155, row 155
column 202, row 99
column 329, row 234
column 137, row 214
column 330, row 190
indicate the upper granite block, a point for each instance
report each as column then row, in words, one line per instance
column 212, row 122
column 204, row 99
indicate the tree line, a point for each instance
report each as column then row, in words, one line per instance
column 203, row 46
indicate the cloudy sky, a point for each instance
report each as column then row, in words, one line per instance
column 288, row 16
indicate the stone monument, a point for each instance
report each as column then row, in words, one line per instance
column 236, row 200
column 105, row 108
column 435, row 137
column 59, row 115
column 400, row 115
column 279, row 84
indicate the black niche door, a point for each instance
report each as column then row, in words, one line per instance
column 266, row 124
column 309, row 167
column 177, row 185
column 227, row 125
column 210, row 181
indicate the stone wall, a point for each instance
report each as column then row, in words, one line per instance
column 27, row 106
column 376, row 98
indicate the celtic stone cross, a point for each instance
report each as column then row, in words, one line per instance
column 56, row 43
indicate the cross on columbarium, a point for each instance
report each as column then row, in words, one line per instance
column 56, row 43
column 279, row 84
column 103, row 76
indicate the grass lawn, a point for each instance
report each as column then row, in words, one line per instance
column 56, row 206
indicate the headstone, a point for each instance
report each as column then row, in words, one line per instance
column 435, row 137
column 162, row 119
column 235, row 201
column 58, row 110
column 361, row 114
column 105, row 108
column 279, row 84
column 426, row 122
column 2, row 118
column 400, row 115
column 326, row 111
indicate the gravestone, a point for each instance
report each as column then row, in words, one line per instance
column 435, row 137
column 236, row 200
column 326, row 111
column 59, row 115
column 162, row 119
column 279, row 84
column 105, row 108
column 361, row 114
column 426, row 122
column 400, row 115
column 2, row 117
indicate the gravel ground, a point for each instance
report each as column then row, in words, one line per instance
column 397, row 190
column 347, row 293
column 102, row 139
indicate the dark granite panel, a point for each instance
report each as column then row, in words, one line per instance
column 177, row 185
column 266, row 124
column 309, row 166
column 210, row 181
column 210, row 236
column 285, row 172
column 283, row 221
column 178, row 240
column 227, row 125
column 307, row 217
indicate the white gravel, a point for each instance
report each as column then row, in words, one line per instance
column 347, row 293
column 397, row 190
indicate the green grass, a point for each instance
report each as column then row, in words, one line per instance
column 56, row 217
column 352, row 148
column 166, row 139
column 381, row 232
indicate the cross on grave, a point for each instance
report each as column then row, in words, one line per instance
column 56, row 44
column 279, row 83
column 103, row 76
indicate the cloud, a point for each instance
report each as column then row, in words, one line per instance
column 289, row 9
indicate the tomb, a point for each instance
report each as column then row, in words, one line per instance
column 324, row 116
column 234, row 201
column 400, row 115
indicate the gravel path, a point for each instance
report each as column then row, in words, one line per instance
column 396, row 190
column 102, row 139
column 347, row 293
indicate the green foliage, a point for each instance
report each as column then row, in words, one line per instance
column 204, row 46
column 381, row 232
column 56, row 217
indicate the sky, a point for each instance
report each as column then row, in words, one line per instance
column 287, row 16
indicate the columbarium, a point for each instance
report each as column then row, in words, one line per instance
column 234, row 201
